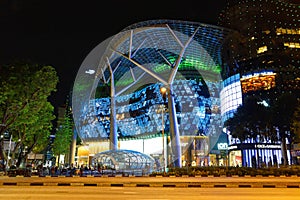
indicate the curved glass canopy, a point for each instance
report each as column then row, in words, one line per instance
column 124, row 160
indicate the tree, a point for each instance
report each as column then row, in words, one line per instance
column 284, row 107
column 251, row 120
column 236, row 125
column 63, row 136
column 25, row 112
column 295, row 127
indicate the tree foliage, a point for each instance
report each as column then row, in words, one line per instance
column 266, row 123
column 25, row 112
column 63, row 136
column 295, row 126
column 252, row 120
column 283, row 111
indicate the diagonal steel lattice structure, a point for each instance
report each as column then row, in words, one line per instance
column 147, row 53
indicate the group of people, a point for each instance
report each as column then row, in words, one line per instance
column 55, row 170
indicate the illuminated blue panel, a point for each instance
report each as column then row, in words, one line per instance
column 231, row 96
column 138, row 114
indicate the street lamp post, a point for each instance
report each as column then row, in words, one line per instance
column 2, row 148
column 163, row 91
column 163, row 136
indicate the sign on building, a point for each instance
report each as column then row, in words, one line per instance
column 35, row 156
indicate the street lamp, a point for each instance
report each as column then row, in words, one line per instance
column 1, row 147
column 163, row 91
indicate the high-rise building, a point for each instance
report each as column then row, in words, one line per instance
column 267, row 39
column 265, row 53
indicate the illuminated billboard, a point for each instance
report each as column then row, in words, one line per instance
column 258, row 81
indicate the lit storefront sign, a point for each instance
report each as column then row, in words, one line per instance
column 222, row 146
column 254, row 146
column 232, row 147
column 268, row 146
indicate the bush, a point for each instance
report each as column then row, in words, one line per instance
column 230, row 171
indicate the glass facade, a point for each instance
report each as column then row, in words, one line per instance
column 118, row 86
column 231, row 96
column 139, row 115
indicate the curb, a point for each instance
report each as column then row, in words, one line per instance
column 158, row 176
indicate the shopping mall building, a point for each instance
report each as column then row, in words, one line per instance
column 205, row 70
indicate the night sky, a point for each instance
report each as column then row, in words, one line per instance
column 61, row 33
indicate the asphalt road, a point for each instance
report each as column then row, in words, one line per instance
column 151, row 181
column 146, row 193
column 199, row 182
